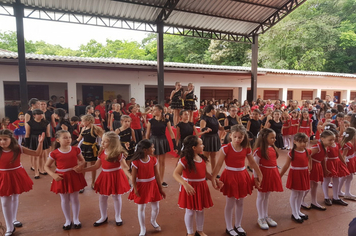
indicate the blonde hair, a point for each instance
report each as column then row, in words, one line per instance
column 97, row 130
column 115, row 148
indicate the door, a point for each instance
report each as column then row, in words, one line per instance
column 337, row 97
column 92, row 93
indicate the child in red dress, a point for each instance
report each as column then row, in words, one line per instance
column 66, row 181
column 298, row 177
column 146, row 183
column 266, row 157
column 112, row 180
column 194, row 193
column 286, row 130
column 348, row 154
column 235, row 177
column 305, row 124
column 294, row 123
column 13, row 178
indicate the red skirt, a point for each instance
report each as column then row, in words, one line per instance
column 71, row 182
column 293, row 130
column 112, row 182
column 298, row 180
column 317, row 135
column 337, row 168
column 236, row 184
column 197, row 202
column 271, row 181
column 342, row 170
column 148, row 191
column 351, row 165
column 305, row 130
column 317, row 173
column 14, row 182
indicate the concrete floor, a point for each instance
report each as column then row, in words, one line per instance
column 41, row 214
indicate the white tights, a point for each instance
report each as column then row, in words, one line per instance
column 347, row 180
column 295, row 201
column 20, row 138
column 103, row 206
column 335, row 187
column 262, row 204
column 141, row 216
column 286, row 141
column 9, row 206
column 66, row 200
column 189, row 220
column 232, row 203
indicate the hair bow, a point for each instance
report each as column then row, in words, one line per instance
column 182, row 147
column 136, row 148
column 327, row 127
column 345, row 134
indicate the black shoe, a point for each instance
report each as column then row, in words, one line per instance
column 328, row 202
column 43, row 173
column 306, row 207
column 78, row 226
column 81, row 191
column 218, row 176
column 196, row 233
column 164, row 185
column 119, row 223
column 239, row 232
column 305, row 217
column 297, row 220
column 17, row 224
column 67, row 227
column 340, row 202
column 37, row 177
column 10, row 233
column 317, row 208
column 249, row 169
column 33, row 169
column 228, row 232
column 98, row 224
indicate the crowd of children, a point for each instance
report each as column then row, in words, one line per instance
column 82, row 145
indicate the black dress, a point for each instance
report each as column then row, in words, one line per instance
column 189, row 102
column 117, row 120
column 277, row 128
column 255, row 127
column 231, row 122
column 176, row 102
column 211, row 140
column 36, row 129
column 158, row 136
column 89, row 146
column 185, row 129
column 245, row 119
column 125, row 137
column 221, row 118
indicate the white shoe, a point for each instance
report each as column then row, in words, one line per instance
column 271, row 222
column 262, row 223
column 350, row 197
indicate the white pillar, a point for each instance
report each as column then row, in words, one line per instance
column 197, row 89
column 2, row 99
column 243, row 94
column 317, row 93
column 345, row 94
column 283, row 92
column 137, row 91
column 72, row 97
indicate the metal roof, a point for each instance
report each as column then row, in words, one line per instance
column 236, row 20
column 5, row 55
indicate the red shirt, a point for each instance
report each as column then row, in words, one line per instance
column 128, row 105
column 135, row 120
column 65, row 160
column 102, row 111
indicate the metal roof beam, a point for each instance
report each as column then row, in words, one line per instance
column 276, row 17
column 167, row 10
column 255, row 4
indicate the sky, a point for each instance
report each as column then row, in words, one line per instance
column 68, row 34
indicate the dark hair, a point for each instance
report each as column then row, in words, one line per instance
column 263, row 144
column 324, row 134
column 99, row 114
column 332, row 127
column 182, row 111
column 37, row 112
column 188, row 143
column 57, row 135
column 348, row 135
column 241, row 129
column 143, row 145
column 33, row 101
column 163, row 118
column 14, row 146
column 353, row 121
column 74, row 118
column 340, row 115
column 61, row 114
column 301, row 118
column 208, row 109
column 299, row 137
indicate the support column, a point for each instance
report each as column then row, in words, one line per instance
column 316, row 93
column 19, row 14
column 283, row 92
column 160, row 65
column 242, row 94
column 2, row 98
column 254, row 65
column 345, row 94
column 72, row 97
column 197, row 93
column 137, row 90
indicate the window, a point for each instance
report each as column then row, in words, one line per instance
column 12, row 92
column 307, row 95
column 217, row 94
column 271, row 94
column 352, row 96
column 289, row 95
column 323, row 95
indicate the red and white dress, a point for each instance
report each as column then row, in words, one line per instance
column 97, row 122
column 271, row 181
column 201, row 199
column 112, row 179
column 13, row 177
column 237, row 181
column 305, row 127
column 146, row 182
column 298, row 176
column 293, row 126
column 334, row 164
column 350, row 157
column 65, row 162
column 317, row 173
column 317, row 133
column 285, row 128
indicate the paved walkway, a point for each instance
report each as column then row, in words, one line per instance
column 41, row 214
